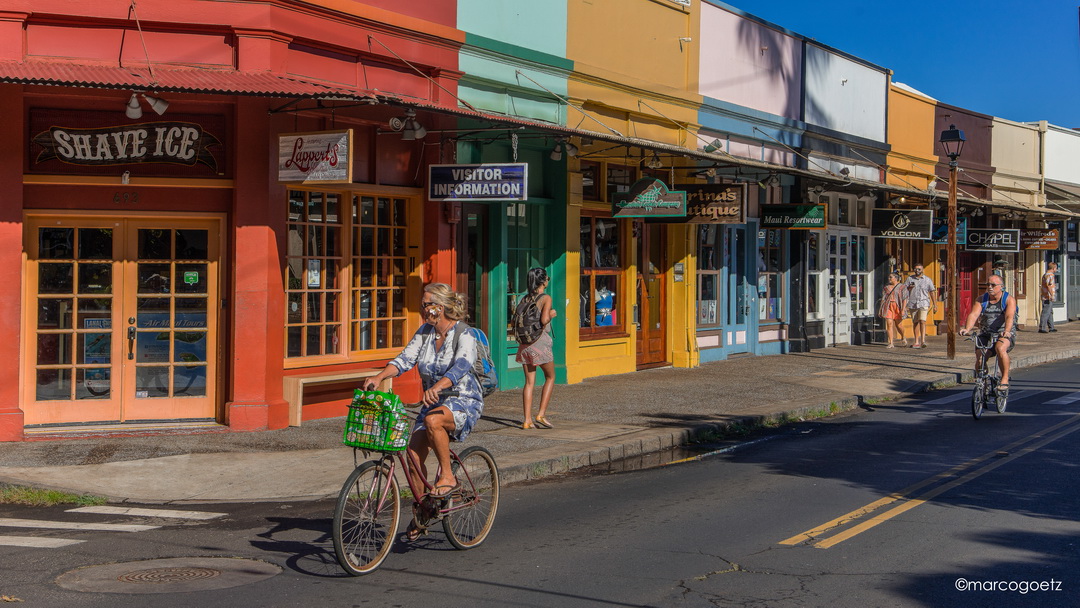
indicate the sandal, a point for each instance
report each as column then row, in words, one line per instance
column 414, row 531
column 435, row 493
column 543, row 423
column 527, row 427
column 890, row 346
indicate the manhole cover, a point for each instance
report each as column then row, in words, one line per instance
column 174, row 575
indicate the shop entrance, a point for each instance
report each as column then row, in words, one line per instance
column 739, row 295
column 472, row 262
column 649, row 314
column 838, row 296
column 121, row 319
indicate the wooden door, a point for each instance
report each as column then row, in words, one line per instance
column 650, row 314
column 122, row 319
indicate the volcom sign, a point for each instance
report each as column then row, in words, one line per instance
column 902, row 223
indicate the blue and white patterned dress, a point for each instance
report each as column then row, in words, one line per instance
column 420, row 352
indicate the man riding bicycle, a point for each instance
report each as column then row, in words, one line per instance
column 995, row 313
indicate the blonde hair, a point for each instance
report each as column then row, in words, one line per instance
column 453, row 303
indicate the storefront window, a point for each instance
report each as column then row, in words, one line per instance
column 770, row 291
column 345, row 273
column 601, row 274
column 709, row 267
column 619, row 179
column 861, row 299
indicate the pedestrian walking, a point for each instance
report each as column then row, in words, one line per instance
column 532, row 327
column 921, row 299
column 1048, row 292
column 891, row 308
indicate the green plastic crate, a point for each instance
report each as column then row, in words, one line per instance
column 376, row 421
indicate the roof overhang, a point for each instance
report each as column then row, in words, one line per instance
column 169, row 79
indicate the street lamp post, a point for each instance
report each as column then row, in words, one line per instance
column 952, row 140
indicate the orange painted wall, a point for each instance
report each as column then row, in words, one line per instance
column 911, row 135
column 11, row 163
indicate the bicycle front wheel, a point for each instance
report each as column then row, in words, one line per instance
column 472, row 508
column 366, row 518
column 978, row 398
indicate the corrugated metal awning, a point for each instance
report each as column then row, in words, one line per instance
column 168, row 79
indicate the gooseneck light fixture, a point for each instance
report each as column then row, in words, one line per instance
column 134, row 109
column 952, row 141
column 410, row 128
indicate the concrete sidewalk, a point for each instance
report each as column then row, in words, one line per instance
column 597, row 421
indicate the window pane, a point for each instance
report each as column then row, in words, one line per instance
column 54, row 313
column 607, row 243
column 192, row 245
column 55, row 277
column 708, row 301
column 56, row 243
column 95, row 244
column 155, row 244
column 605, row 298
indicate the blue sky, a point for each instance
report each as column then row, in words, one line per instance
column 1018, row 60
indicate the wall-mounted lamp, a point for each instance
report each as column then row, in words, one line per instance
column 653, row 162
column 706, row 172
column 134, row 110
column 563, row 146
column 932, row 185
column 772, row 180
column 410, row 128
column 714, row 146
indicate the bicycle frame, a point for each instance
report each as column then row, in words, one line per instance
column 985, row 390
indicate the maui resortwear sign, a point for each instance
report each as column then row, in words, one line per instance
column 484, row 182
column 794, row 217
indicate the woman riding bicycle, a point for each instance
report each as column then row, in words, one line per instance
column 995, row 313
column 431, row 351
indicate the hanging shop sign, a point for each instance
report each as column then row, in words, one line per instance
column 485, row 182
column 940, row 235
column 649, row 197
column 901, row 223
column 1035, row 238
column 69, row 141
column 794, row 217
column 713, row 204
column 998, row 239
column 324, row 157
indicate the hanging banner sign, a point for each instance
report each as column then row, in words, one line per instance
column 979, row 239
column 901, row 223
column 174, row 142
column 1033, row 238
column 649, row 197
column 323, row 157
column 486, row 182
column 794, row 217
column 713, row 204
column 940, row 234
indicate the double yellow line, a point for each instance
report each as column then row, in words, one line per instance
column 819, row 536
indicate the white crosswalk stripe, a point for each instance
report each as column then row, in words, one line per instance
column 139, row 512
column 966, row 394
column 11, row 522
column 38, row 542
column 1065, row 399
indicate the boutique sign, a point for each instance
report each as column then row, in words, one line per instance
column 713, row 203
column 902, row 223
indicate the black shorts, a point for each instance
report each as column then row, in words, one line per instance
column 1011, row 339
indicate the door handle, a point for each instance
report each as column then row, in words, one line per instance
column 131, row 341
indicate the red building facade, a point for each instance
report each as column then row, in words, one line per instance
column 166, row 275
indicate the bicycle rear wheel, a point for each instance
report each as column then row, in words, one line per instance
column 366, row 518
column 472, row 507
column 978, row 398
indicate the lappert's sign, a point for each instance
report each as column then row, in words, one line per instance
column 324, row 157
column 174, row 142
column 979, row 239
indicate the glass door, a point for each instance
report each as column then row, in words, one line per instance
column 740, row 296
column 123, row 318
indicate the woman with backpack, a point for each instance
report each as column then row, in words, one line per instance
column 532, row 326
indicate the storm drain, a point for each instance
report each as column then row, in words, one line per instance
column 173, row 575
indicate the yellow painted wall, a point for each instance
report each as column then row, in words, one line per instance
column 634, row 75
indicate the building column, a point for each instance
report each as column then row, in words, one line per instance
column 11, row 244
column 256, row 345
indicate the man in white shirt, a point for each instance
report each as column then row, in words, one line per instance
column 1048, row 292
column 922, row 297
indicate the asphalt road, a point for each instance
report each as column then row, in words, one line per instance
column 908, row 503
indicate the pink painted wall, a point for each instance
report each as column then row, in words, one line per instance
column 749, row 64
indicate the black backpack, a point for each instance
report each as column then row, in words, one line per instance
column 526, row 323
